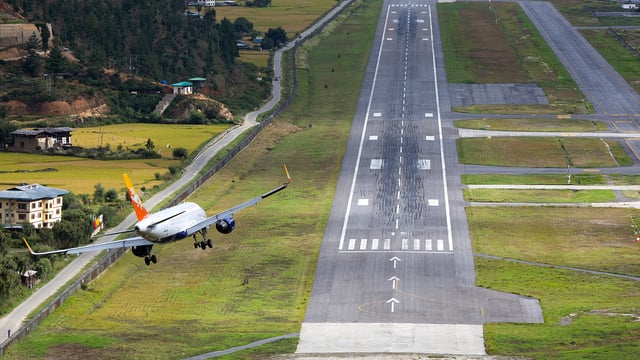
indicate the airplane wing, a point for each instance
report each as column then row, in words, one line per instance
column 217, row 217
column 126, row 243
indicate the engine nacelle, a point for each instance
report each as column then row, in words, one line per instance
column 226, row 225
column 142, row 251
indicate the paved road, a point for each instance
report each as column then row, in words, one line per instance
column 602, row 85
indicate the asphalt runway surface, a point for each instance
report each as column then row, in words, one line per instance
column 396, row 271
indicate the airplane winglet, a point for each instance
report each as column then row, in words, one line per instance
column 287, row 172
column 28, row 247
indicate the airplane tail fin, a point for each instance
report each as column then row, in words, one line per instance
column 141, row 211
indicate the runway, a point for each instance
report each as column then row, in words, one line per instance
column 395, row 272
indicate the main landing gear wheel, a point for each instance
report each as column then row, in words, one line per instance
column 150, row 259
column 203, row 244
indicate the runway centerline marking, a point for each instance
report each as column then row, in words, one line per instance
column 378, row 163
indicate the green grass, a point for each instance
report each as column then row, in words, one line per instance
column 586, row 316
column 541, row 152
column 165, row 137
column 255, row 283
column 590, row 238
column 78, row 175
column 534, row 179
column 569, row 125
column 497, row 43
column 538, row 196
column 292, row 15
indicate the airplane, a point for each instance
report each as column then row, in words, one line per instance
column 171, row 224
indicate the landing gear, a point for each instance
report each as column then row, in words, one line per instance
column 150, row 259
column 204, row 243
column 145, row 251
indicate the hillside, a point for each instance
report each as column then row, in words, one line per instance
column 110, row 50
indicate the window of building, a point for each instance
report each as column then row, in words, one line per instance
column 22, row 217
column 22, row 206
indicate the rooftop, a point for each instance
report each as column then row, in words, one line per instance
column 31, row 192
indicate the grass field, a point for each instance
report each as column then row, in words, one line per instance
column 78, row 175
column 587, row 238
column 538, row 179
column 292, row 15
column 570, row 125
column 586, row 316
column 165, row 137
column 538, row 196
column 255, row 282
column 541, row 152
column 495, row 42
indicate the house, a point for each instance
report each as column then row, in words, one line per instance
column 202, row 3
column 35, row 140
column 39, row 205
column 182, row 88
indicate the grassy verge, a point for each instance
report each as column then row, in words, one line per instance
column 255, row 282
column 534, row 179
column 539, row 196
column 587, row 238
column 570, row 125
column 612, row 45
column 541, row 152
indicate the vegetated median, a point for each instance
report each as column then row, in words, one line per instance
column 542, row 152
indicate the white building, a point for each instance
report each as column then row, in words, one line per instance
column 39, row 205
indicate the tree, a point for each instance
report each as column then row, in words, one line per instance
column 278, row 35
column 150, row 145
column 111, row 195
column 98, row 193
column 180, row 153
column 242, row 25
column 44, row 35
column 56, row 62
column 31, row 63
column 228, row 41
column 6, row 128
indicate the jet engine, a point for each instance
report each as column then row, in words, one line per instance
column 226, row 225
column 142, row 251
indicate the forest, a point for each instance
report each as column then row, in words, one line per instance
column 155, row 40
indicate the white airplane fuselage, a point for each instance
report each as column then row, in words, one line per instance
column 170, row 224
